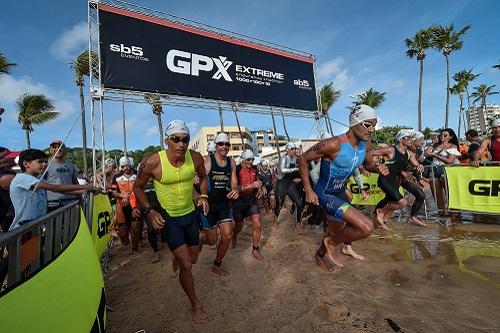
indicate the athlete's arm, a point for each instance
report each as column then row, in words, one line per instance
column 283, row 167
column 370, row 164
column 5, row 181
column 234, row 194
column 144, row 173
column 476, row 156
column 199, row 167
column 415, row 163
column 323, row 149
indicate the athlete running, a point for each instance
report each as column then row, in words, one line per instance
column 399, row 156
column 267, row 177
column 287, row 175
column 222, row 187
column 246, row 205
column 126, row 205
column 340, row 156
column 173, row 173
column 491, row 144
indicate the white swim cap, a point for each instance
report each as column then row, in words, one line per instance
column 265, row 162
column 416, row 135
column 495, row 123
column 125, row 161
column 361, row 113
column 221, row 137
column 404, row 132
column 290, row 145
column 176, row 127
column 247, row 153
column 109, row 161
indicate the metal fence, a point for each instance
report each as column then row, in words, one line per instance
column 34, row 245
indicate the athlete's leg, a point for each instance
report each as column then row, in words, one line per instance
column 226, row 233
column 256, row 234
column 419, row 195
column 348, row 251
column 281, row 192
column 297, row 200
column 136, row 231
column 327, row 246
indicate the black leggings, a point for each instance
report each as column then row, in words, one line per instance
column 419, row 195
column 287, row 187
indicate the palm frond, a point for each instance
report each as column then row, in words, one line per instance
column 5, row 65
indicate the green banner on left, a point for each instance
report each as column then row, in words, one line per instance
column 102, row 215
column 67, row 295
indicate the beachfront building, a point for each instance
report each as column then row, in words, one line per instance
column 265, row 138
column 207, row 134
column 478, row 117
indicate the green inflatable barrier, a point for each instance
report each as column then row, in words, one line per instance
column 102, row 215
column 67, row 295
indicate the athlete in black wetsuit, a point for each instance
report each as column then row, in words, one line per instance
column 397, row 162
column 266, row 175
column 222, row 188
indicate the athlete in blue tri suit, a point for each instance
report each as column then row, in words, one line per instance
column 340, row 156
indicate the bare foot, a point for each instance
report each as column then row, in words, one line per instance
column 380, row 219
column 275, row 227
column 256, row 254
column 156, row 257
column 415, row 220
column 300, row 228
column 331, row 250
column 319, row 261
column 234, row 242
column 348, row 251
column 199, row 315
column 175, row 265
column 219, row 270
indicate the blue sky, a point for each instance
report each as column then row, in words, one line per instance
column 358, row 45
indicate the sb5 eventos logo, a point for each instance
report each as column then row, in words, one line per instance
column 131, row 52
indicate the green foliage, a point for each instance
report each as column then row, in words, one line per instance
column 5, row 65
column 371, row 98
column 328, row 97
column 446, row 39
column 427, row 133
column 387, row 134
column 419, row 44
column 81, row 66
column 481, row 92
column 34, row 110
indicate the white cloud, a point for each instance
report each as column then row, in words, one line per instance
column 398, row 85
column 334, row 70
column 153, row 130
column 11, row 88
column 70, row 43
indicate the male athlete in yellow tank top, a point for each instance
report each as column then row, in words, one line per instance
column 173, row 173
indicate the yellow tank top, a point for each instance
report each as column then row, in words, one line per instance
column 175, row 188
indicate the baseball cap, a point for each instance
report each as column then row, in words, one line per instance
column 221, row 137
column 7, row 154
column 56, row 141
column 247, row 153
column 176, row 126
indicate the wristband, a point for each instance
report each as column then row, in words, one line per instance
column 204, row 196
column 146, row 211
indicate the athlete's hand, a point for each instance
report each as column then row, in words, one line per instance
column 136, row 213
column 233, row 195
column 312, row 198
column 382, row 169
column 156, row 219
column 420, row 168
column 475, row 163
column 203, row 203
column 365, row 172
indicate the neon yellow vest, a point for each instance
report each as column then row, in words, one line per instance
column 175, row 188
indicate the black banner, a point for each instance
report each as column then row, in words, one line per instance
column 142, row 53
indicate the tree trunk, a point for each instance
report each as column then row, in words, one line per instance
column 284, row 125
column 468, row 97
column 420, row 95
column 124, row 130
column 447, row 91
column 459, row 115
column 28, row 143
column 84, row 133
column 221, row 119
column 160, row 128
column 239, row 128
column 276, row 138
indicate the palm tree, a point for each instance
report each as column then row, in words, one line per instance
column 328, row 96
column 481, row 92
column 5, row 65
column 447, row 40
column 154, row 100
column 417, row 48
column 371, row 98
column 465, row 77
column 459, row 89
column 82, row 68
column 34, row 110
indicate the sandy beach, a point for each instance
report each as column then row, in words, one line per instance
column 435, row 279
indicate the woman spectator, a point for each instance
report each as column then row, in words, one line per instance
column 444, row 153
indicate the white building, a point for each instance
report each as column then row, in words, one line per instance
column 478, row 118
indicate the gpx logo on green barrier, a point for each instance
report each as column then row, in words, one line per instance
column 483, row 187
column 354, row 188
column 103, row 223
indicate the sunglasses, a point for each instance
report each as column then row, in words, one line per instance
column 444, row 135
column 249, row 159
column 220, row 144
column 176, row 139
column 367, row 124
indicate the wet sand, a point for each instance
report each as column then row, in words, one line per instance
column 436, row 279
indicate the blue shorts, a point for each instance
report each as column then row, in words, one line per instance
column 180, row 230
column 335, row 204
column 217, row 214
